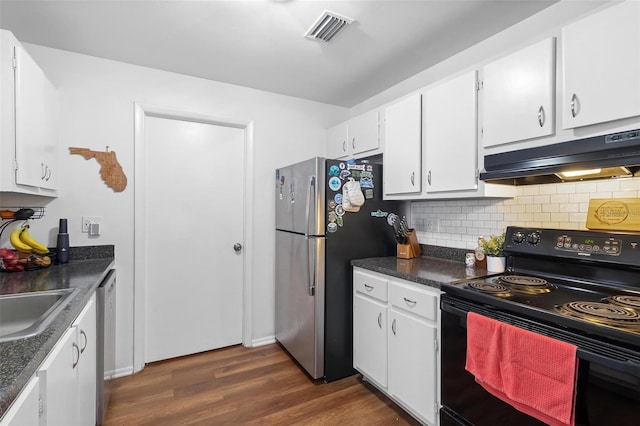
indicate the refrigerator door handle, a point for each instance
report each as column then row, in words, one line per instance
column 310, row 191
column 311, row 271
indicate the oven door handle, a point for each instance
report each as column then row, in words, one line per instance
column 622, row 365
column 625, row 366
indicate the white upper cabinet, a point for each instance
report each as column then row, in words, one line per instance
column 364, row 134
column 518, row 93
column 36, row 124
column 338, row 141
column 450, row 135
column 29, row 116
column 402, row 145
column 601, row 67
column 359, row 135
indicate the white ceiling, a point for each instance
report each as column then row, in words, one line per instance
column 260, row 43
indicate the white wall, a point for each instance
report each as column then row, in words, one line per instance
column 97, row 99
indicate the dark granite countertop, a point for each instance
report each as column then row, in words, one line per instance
column 20, row 359
column 430, row 271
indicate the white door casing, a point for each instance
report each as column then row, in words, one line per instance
column 148, row 224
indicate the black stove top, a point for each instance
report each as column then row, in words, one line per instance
column 571, row 287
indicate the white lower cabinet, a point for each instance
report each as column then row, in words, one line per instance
column 25, row 409
column 395, row 341
column 68, row 374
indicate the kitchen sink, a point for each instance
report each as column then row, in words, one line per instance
column 27, row 314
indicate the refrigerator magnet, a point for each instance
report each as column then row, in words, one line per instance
column 338, row 198
column 335, row 184
column 334, row 170
column 332, row 227
column 339, row 221
column 340, row 210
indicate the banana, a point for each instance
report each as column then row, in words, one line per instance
column 26, row 238
column 14, row 238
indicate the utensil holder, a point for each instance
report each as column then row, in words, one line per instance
column 411, row 249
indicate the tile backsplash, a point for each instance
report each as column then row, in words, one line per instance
column 561, row 205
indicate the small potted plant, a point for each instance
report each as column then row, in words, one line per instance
column 494, row 249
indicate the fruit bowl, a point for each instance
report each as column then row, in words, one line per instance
column 15, row 261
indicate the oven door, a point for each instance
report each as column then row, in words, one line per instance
column 608, row 390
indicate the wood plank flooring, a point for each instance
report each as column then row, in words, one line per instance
column 245, row 386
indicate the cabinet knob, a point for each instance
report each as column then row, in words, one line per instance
column 574, row 105
column 237, row 247
column 541, row 116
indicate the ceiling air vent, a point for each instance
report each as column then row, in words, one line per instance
column 327, row 26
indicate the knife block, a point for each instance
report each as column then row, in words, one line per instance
column 411, row 249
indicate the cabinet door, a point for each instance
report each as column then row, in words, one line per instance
column 450, row 135
column 85, row 334
column 25, row 409
column 370, row 338
column 518, row 94
column 412, row 364
column 364, row 132
column 36, row 125
column 601, row 66
column 58, row 381
column 402, row 147
column 338, row 141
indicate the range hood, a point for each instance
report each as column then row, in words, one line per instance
column 598, row 157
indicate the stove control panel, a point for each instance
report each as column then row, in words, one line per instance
column 596, row 245
column 588, row 245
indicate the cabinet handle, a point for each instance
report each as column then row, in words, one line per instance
column 43, row 171
column 380, row 319
column 48, row 173
column 368, row 287
column 344, row 146
column 86, row 341
column 77, row 354
column 353, row 143
column 541, row 116
column 574, row 105
column 393, row 327
column 429, row 177
column 413, row 175
column 410, row 303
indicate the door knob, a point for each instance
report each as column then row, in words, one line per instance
column 237, row 247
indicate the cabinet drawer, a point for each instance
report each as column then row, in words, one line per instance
column 419, row 301
column 371, row 285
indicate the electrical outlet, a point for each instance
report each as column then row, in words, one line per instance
column 88, row 220
column 432, row 225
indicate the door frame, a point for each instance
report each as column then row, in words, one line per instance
column 141, row 112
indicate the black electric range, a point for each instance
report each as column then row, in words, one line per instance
column 582, row 287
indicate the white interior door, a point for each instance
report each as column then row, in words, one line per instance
column 194, row 195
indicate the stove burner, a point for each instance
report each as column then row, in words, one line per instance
column 632, row 302
column 490, row 288
column 602, row 313
column 524, row 284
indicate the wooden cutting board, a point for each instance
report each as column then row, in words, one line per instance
column 616, row 214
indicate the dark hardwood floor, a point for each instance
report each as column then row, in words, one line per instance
column 242, row 386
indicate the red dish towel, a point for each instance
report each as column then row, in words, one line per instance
column 534, row 373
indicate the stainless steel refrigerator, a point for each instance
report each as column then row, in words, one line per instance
column 318, row 233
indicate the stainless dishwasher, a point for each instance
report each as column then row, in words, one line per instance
column 106, row 351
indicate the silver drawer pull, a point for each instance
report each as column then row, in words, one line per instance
column 410, row 303
column 393, row 326
column 380, row 319
column 368, row 287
